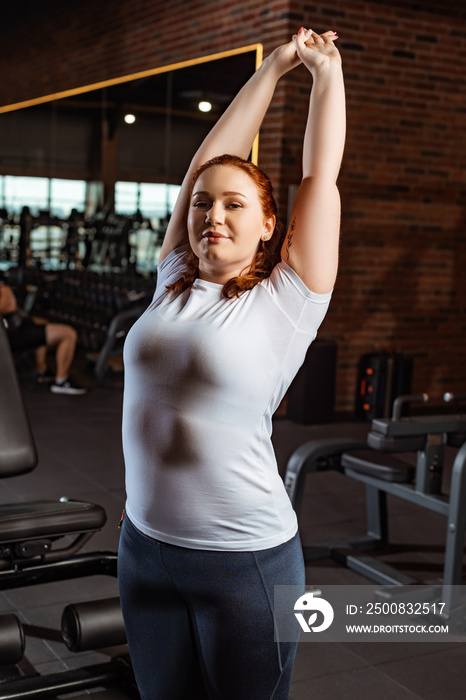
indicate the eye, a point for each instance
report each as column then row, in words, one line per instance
column 201, row 205
column 235, row 205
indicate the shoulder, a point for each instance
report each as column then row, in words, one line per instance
column 283, row 280
column 172, row 266
column 288, row 296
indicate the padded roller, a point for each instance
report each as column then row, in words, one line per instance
column 93, row 625
column 12, row 640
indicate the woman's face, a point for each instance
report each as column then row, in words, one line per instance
column 226, row 222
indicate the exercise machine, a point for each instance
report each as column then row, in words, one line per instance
column 112, row 347
column 41, row 542
column 376, row 465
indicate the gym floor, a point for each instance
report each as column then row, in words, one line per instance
column 78, row 440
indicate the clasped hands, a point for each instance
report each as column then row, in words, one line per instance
column 314, row 50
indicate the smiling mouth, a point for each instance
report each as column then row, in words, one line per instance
column 214, row 236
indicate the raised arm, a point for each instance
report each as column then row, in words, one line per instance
column 234, row 133
column 311, row 244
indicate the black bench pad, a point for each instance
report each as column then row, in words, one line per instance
column 380, row 465
column 37, row 519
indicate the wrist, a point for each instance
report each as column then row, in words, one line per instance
column 326, row 70
column 271, row 67
column 282, row 60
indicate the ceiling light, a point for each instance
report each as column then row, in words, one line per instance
column 130, row 118
column 205, row 106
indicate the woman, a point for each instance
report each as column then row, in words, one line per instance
column 209, row 530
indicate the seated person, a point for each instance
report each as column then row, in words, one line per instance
column 26, row 333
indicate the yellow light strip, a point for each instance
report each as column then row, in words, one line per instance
column 134, row 76
column 255, row 145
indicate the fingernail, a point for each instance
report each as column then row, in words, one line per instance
column 301, row 30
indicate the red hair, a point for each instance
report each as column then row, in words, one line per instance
column 268, row 253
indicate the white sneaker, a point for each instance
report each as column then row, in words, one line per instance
column 67, row 387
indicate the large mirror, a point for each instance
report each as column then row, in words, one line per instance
column 116, row 149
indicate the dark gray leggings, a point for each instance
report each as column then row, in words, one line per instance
column 200, row 623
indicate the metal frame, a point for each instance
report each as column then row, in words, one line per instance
column 117, row 670
column 19, row 456
column 78, row 566
column 53, row 684
column 118, row 329
column 326, row 455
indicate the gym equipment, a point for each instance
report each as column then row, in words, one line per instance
column 374, row 464
column 382, row 377
column 105, row 241
column 112, row 347
column 101, row 307
column 7, row 223
column 113, row 672
column 29, row 532
column 93, row 625
column 11, row 640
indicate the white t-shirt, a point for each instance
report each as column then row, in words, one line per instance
column 203, row 376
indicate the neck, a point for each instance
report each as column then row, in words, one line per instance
column 213, row 274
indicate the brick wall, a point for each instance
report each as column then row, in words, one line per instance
column 402, row 282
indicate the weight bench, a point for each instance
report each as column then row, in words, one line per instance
column 40, row 542
column 375, row 465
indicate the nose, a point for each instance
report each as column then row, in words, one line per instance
column 216, row 214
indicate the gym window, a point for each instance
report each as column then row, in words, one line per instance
column 154, row 200
column 41, row 193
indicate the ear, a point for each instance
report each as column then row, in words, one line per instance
column 269, row 226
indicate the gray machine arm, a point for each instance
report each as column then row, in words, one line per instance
column 315, row 456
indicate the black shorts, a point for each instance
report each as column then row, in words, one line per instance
column 28, row 336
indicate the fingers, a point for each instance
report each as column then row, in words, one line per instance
column 313, row 37
column 329, row 36
column 303, row 39
column 309, row 37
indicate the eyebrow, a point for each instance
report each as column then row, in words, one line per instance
column 204, row 192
